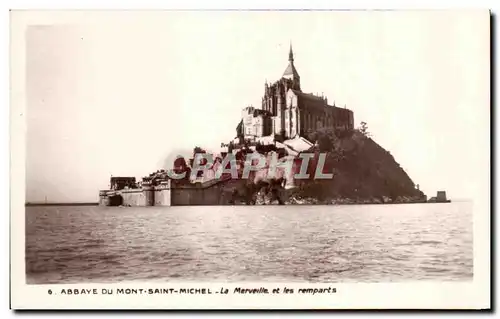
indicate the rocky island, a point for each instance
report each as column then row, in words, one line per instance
column 363, row 173
column 303, row 133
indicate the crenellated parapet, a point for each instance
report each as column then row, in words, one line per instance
column 164, row 185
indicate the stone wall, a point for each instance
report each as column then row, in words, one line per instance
column 103, row 198
column 103, row 201
column 147, row 196
column 209, row 193
column 133, row 197
column 162, row 197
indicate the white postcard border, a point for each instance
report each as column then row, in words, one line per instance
column 434, row 295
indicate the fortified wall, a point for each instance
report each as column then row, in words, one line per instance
column 148, row 195
column 206, row 190
column 208, row 193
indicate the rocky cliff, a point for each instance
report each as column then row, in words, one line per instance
column 363, row 172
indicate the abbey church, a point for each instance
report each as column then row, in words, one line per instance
column 288, row 112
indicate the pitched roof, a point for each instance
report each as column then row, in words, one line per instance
column 308, row 96
column 291, row 70
column 299, row 144
column 289, row 150
column 310, row 99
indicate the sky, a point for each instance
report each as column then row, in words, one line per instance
column 121, row 93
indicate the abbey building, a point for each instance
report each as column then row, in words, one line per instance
column 288, row 112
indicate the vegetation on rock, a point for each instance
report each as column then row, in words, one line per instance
column 363, row 172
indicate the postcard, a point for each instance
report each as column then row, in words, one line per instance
column 252, row 159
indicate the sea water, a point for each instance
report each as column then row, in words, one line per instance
column 351, row 243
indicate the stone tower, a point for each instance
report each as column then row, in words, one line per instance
column 291, row 72
column 274, row 99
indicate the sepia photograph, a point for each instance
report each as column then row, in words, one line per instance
column 236, row 147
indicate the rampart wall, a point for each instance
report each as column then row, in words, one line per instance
column 214, row 192
column 133, row 197
column 209, row 193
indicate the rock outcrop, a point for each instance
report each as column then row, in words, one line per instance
column 363, row 173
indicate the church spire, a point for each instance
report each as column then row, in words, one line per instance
column 290, row 72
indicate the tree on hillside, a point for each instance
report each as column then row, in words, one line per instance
column 363, row 129
column 325, row 138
